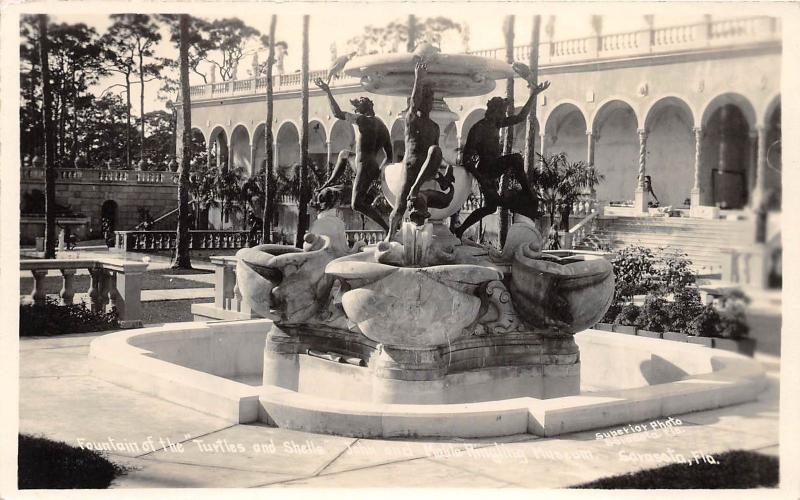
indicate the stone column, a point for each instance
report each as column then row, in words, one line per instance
column 640, row 197
column 328, row 154
column 697, row 190
column 67, row 289
column 590, row 156
column 542, row 137
column 761, row 164
column 208, row 156
column 127, row 294
column 752, row 163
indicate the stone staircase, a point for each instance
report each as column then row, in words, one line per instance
column 702, row 240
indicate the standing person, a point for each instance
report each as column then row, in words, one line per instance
column 373, row 137
column 482, row 158
column 423, row 157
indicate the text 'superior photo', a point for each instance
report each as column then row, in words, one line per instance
column 430, row 246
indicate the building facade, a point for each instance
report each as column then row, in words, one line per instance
column 695, row 107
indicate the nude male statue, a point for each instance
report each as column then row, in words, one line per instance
column 423, row 157
column 373, row 137
column 482, row 158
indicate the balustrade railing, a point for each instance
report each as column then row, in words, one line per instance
column 370, row 236
column 103, row 175
column 682, row 37
column 151, row 241
column 113, row 283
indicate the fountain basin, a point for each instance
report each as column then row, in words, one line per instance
column 410, row 307
column 214, row 367
column 450, row 75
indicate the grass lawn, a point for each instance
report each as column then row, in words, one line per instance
column 169, row 311
column 46, row 464
column 734, row 470
column 151, row 280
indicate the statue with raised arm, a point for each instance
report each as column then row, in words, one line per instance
column 373, row 137
column 422, row 155
column 482, row 158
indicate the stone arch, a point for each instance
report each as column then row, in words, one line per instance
column 774, row 158
column 670, row 150
column 287, row 141
column 397, row 134
column 218, row 147
column 109, row 215
column 343, row 136
column 565, row 132
column 616, row 152
column 240, row 148
column 727, row 169
column 259, row 148
column 471, row 118
column 730, row 98
column 198, row 155
column 317, row 144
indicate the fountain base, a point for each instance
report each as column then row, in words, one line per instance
column 471, row 369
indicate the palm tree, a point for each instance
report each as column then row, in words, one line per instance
column 226, row 184
column 530, row 132
column 269, row 176
column 508, row 32
column 49, row 143
column 302, row 209
column 559, row 184
column 201, row 189
column 182, row 257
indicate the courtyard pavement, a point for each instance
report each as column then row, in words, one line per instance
column 169, row 446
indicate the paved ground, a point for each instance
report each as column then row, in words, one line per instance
column 59, row 399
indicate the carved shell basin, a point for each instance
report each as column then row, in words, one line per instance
column 410, row 307
column 450, row 75
column 258, row 273
column 392, row 183
column 561, row 294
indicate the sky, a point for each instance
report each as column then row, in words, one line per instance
column 338, row 22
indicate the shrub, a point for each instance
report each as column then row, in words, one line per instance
column 705, row 324
column 675, row 273
column 611, row 313
column 51, row 318
column 733, row 321
column 628, row 315
column 685, row 307
column 46, row 464
column 654, row 315
column 634, row 269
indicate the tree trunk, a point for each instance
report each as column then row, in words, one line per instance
column 508, row 142
column 530, row 130
column 62, row 119
column 182, row 256
column 412, row 33
column 128, row 121
column 49, row 146
column 302, row 209
column 74, row 146
column 141, row 106
column 269, row 185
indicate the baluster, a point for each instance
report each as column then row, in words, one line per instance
column 95, row 289
column 111, row 285
column 38, row 295
column 67, row 291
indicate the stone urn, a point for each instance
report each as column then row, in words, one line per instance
column 560, row 295
column 410, row 307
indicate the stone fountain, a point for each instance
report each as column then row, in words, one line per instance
column 424, row 319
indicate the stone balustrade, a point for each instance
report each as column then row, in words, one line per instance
column 102, row 175
column 580, row 231
column 114, row 283
column 696, row 36
column 144, row 241
column 370, row 236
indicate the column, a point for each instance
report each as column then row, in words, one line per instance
column 328, row 154
column 697, row 190
column 761, row 164
column 127, row 292
column 590, row 159
column 208, row 156
column 542, row 137
column 752, row 163
column 640, row 197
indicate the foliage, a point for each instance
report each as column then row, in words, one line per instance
column 394, row 35
column 612, row 313
column 229, row 38
column 634, row 270
column 628, row 315
column 674, row 273
column 686, row 305
column 731, row 470
column 705, row 324
column 654, row 314
column 46, row 464
column 559, row 183
column 733, row 320
column 51, row 318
